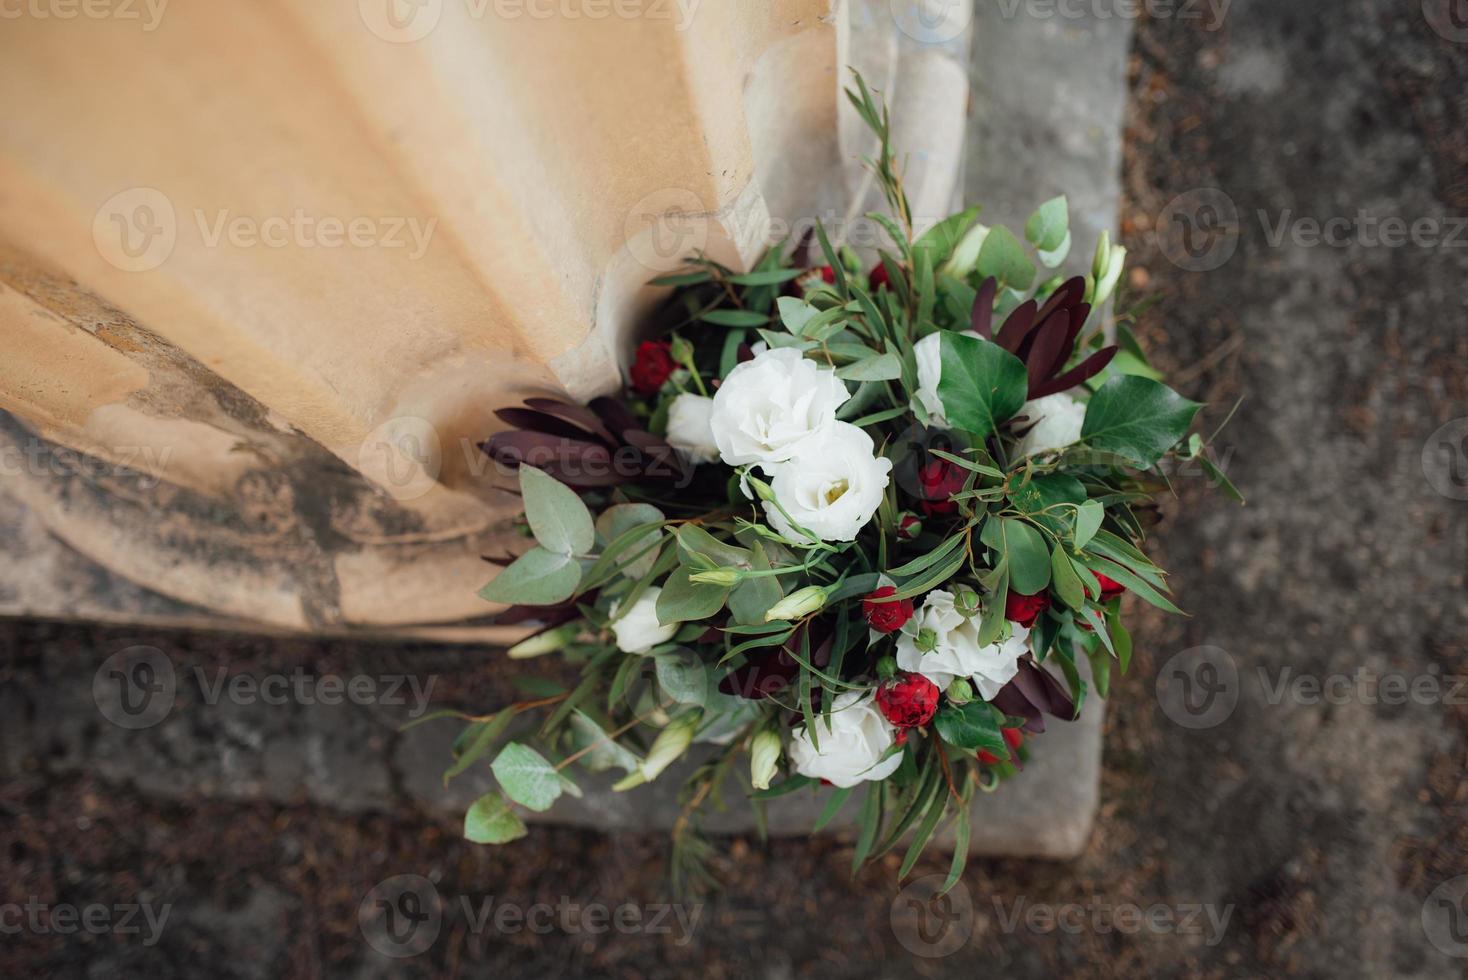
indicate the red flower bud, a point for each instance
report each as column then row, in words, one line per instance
column 1025, row 609
column 908, row 700
column 828, row 274
column 878, row 277
column 1110, row 587
column 652, row 366
column 886, row 617
column 1013, row 737
column 909, row 526
column 940, row 480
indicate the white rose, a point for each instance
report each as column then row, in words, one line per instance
column 767, row 408
column 929, row 369
column 832, row 487
column 1057, row 421
column 957, row 652
column 688, row 428
column 852, row 742
column 639, row 630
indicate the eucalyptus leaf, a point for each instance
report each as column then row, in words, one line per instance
column 881, row 367
column 537, row 578
column 559, row 519
column 601, row 751
column 1003, row 257
column 526, row 776
column 683, row 600
column 1049, row 225
column 491, row 821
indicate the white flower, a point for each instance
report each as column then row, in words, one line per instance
column 688, row 428
column 767, row 408
column 639, row 630
column 1057, row 421
column 852, row 741
column 929, row 353
column 956, row 651
column 832, row 487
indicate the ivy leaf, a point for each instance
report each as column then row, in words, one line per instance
column 491, row 821
column 526, row 776
column 536, row 578
column 971, row 726
column 559, row 519
column 1137, row 418
column 1003, row 257
column 981, row 384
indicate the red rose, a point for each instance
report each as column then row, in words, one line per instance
column 651, row 367
column 1110, row 587
column 1013, row 737
column 886, row 617
column 878, row 277
column 908, row 700
column 1025, row 609
column 940, row 480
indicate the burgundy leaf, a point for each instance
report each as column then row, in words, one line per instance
column 577, row 414
column 1047, row 350
column 527, row 418
column 1077, row 320
column 1068, row 293
column 1082, row 372
column 1017, row 327
column 617, row 417
column 982, row 317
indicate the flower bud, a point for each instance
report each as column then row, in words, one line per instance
column 887, row 667
column 682, row 351
column 960, row 691
column 1105, row 270
column 927, row 639
column 967, row 603
column 764, row 757
column 797, row 604
column 909, row 526
column 632, row 780
column 671, row 743
column 761, row 489
column 547, row 641
column 725, row 577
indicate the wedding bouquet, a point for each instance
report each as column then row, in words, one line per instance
column 847, row 527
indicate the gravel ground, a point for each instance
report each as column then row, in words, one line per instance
column 1275, row 803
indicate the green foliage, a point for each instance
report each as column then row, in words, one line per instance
column 981, row 384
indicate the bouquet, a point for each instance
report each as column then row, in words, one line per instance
column 849, row 527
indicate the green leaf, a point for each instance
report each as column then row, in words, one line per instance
column 1003, row 257
column 795, row 313
column 1022, row 548
column 619, row 519
column 870, row 823
column 683, row 601
column 684, row 678
column 924, row 832
column 753, row 597
column 681, row 279
column 694, row 540
column 1137, row 418
column 606, row 754
column 1049, row 225
column 766, row 277
column 881, row 367
column 1088, row 522
column 833, row 807
column 960, row 850
column 971, row 726
column 981, row 384
column 1051, row 258
column 526, row 776
column 780, row 789
column 491, row 821
column 559, row 519
column 477, row 739
column 536, row 578
column 1220, row 481
column 735, row 318
column 939, row 240
column 1064, row 580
